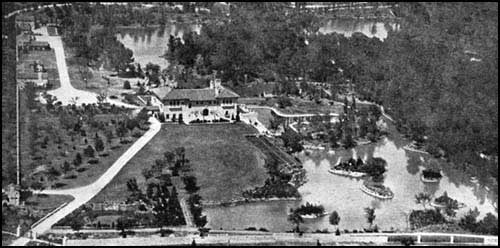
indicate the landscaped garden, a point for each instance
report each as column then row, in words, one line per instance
column 69, row 146
column 222, row 160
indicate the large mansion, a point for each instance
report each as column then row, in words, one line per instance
column 191, row 105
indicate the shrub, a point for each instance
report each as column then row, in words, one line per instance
column 93, row 161
column 126, row 85
column 104, row 154
column 37, row 185
column 72, row 176
column 82, row 169
column 58, row 185
column 89, row 151
column 137, row 134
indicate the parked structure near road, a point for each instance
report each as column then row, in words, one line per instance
column 208, row 104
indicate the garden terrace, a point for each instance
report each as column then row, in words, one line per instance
column 301, row 106
column 223, row 162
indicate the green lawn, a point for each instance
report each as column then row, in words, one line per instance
column 264, row 116
column 222, row 160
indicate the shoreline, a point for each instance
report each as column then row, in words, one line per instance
column 235, row 202
column 375, row 194
column 353, row 174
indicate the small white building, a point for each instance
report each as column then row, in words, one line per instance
column 212, row 103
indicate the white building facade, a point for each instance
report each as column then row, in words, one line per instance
column 211, row 104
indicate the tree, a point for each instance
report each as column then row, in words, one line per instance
column 295, row 218
column 468, row 222
column 370, row 215
column 190, row 184
column 349, row 141
column 101, row 98
column 89, row 151
column 291, row 139
column 180, row 152
column 122, row 224
column 284, row 102
column 76, row 223
column 488, row 225
column 99, row 144
column 66, row 167
column 334, row 218
column 126, row 85
column 169, row 157
column 109, row 135
column 422, row 198
column 78, row 159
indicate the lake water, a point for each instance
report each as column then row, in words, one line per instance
column 343, row 194
column 333, row 192
column 148, row 44
column 348, row 27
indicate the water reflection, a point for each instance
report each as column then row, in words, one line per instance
column 344, row 196
column 148, row 44
column 369, row 28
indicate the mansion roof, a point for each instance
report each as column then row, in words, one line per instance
column 206, row 94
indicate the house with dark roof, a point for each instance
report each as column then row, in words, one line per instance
column 210, row 104
column 25, row 22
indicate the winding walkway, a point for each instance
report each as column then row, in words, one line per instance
column 84, row 194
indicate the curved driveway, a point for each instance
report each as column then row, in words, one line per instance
column 66, row 93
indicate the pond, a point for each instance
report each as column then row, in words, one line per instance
column 343, row 194
column 149, row 44
column 347, row 27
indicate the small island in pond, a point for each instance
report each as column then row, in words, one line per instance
column 351, row 168
column 377, row 190
column 310, row 211
column 431, row 176
column 445, row 201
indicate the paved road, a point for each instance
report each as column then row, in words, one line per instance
column 276, row 111
column 84, row 194
column 187, row 214
column 268, row 238
column 67, row 93
column 52, row 5
column 20, row 241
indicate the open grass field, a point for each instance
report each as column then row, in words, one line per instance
column 222, row 160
